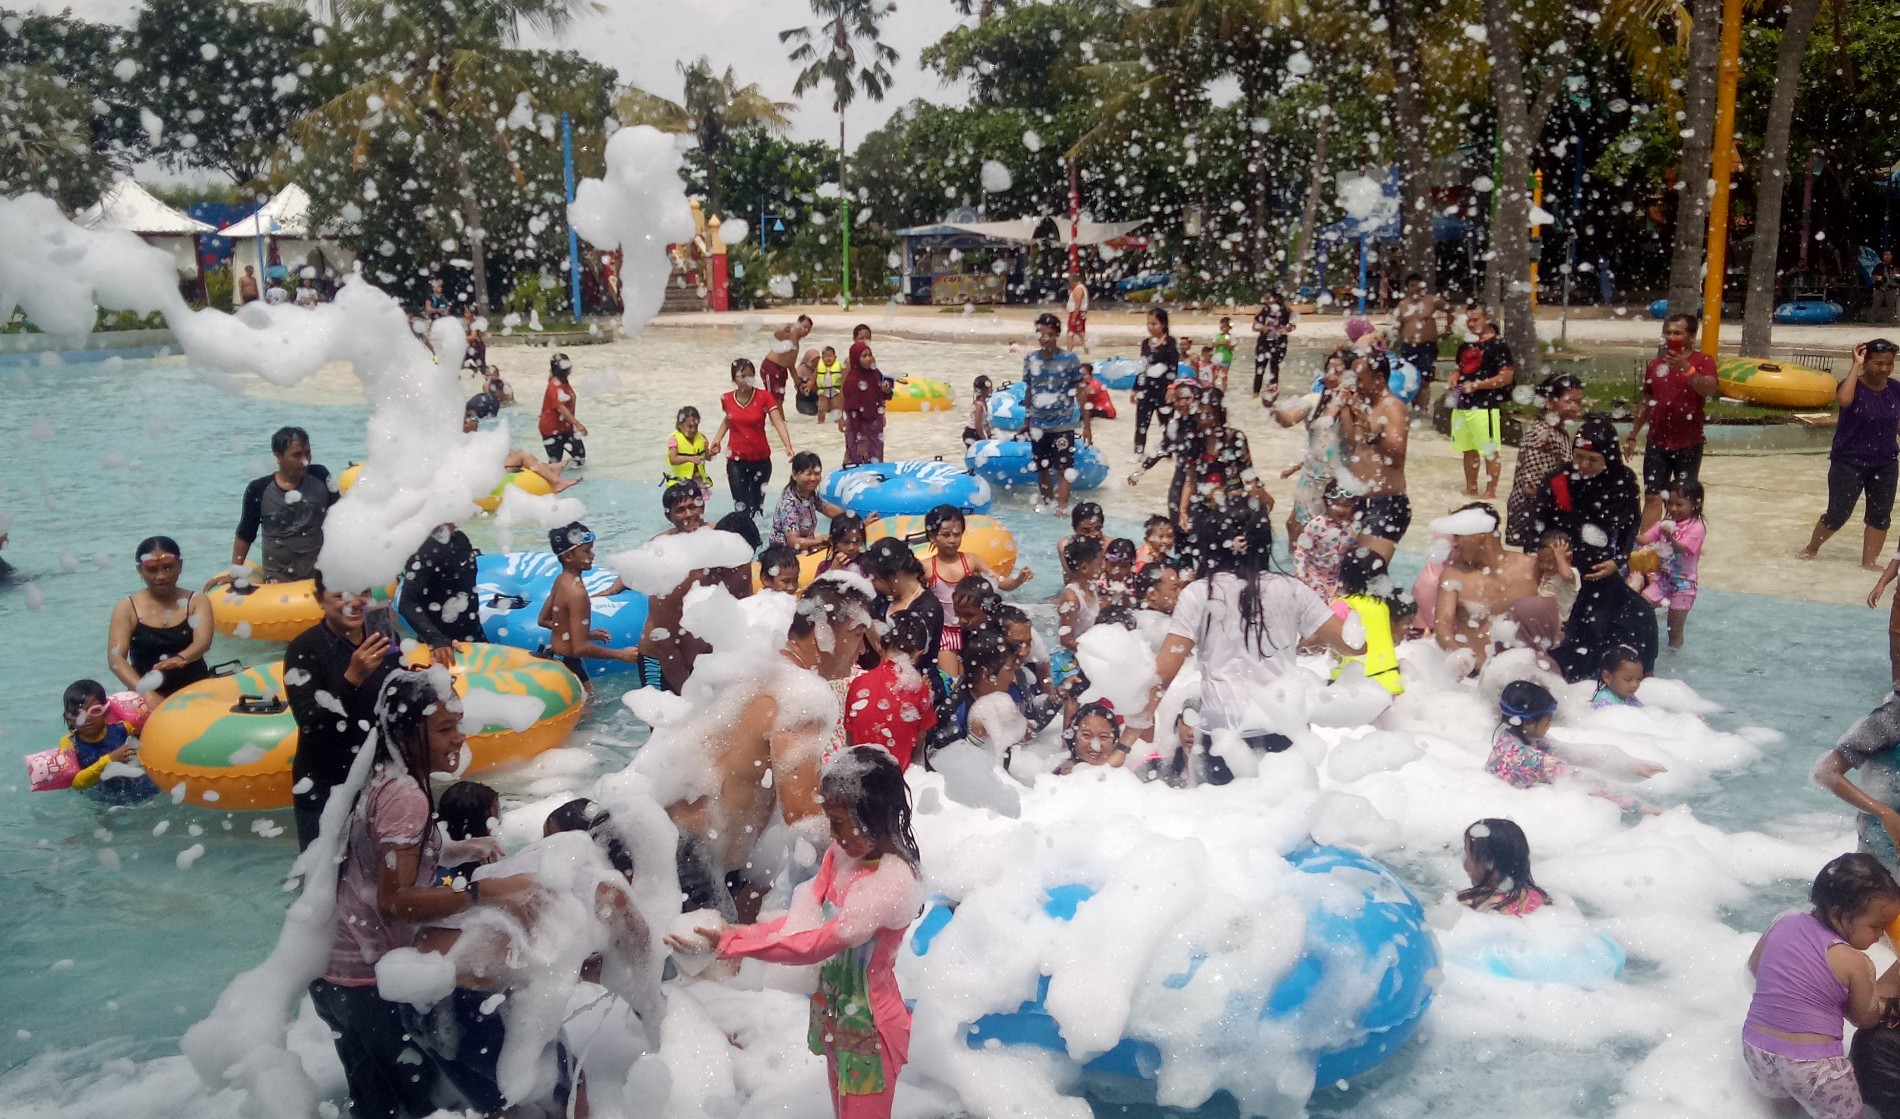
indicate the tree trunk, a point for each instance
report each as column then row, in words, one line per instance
column 1510, row 232
column 1417, row 251
column 472, row 224
column 1256, row 250
column 1309, row 213
column 1693, row 183
column 1758, row 315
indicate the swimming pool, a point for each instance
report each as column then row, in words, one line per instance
column 116, row 948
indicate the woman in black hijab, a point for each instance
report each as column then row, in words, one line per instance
column 1597, row 502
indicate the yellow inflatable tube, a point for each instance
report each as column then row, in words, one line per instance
column 525, row 480
column 921, row 394
column 229, row 741
column 265, row 611
column 984, row 537
column 1778, row 384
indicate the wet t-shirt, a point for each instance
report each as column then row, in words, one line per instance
column 290, row 522
column 1868, row 746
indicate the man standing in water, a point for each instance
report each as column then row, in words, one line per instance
column 333, row 672
column 287, row 508
column 1078, row 309
column 670, row 649
column 1052, row 380
column 1374, row 427
column 1418, row 312
column 1483, row 584
column 776, row 367
column 568, row 613
column 765, row 762
column 1483, row 379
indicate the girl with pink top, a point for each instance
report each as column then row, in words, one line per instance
column 1498, row 861
column 1811, row 971
column 850, row 919
column 1677, row 543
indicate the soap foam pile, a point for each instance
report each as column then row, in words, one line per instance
column 1180, row 874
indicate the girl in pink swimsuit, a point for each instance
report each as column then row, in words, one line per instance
column 1498, row 860
column 850, row 919
column 949, row 563
column 1811, row 971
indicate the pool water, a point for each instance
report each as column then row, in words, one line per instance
column 114, row 948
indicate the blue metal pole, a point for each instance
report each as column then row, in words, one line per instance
column 1363, row 279
column 573, row 238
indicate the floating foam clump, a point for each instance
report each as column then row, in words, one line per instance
column 638, row 208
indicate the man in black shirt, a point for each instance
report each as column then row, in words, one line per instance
column 287, row 507
column 333, row 672
column 438, row 593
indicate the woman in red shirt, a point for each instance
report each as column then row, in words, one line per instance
column 749, row 457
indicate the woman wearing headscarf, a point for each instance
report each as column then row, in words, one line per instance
column 1597, row 502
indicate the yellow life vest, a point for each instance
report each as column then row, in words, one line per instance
column 1382, row 656
column 830, row 376
column 686, row 471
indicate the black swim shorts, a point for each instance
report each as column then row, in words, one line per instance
column 1055, row 450
column 1664, row 471
column 1384, row 515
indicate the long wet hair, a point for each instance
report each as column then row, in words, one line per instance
column 581, row 814
column 868, row 784
column 403, row 708
column 1240, row 543
column 1500, row 847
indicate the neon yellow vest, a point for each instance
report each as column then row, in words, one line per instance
column 687, row 471
column 1382, row 656
column 830, row 376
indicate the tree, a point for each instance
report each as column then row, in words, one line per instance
column 66, row 123
column 845, row 27
column 1758, row 313
column 436, row 86
column 763, row 172
column 1693, row 184
column 223, row 78
column 716, row 107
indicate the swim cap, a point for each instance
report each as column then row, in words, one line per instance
column 566, row 539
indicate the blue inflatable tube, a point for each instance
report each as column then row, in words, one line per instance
column 1119, row 373
column 897, row 489
column 513, row 586
column 1403, row 382
column 1011, row 462
column 1344, row 944
column 1006, row 408
column 1659, row 309
column 1808, row 312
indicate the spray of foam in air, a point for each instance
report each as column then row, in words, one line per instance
column 639, row 209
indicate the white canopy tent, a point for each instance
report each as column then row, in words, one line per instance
column 284, row 222
column 1090, row 232
column 127, row 205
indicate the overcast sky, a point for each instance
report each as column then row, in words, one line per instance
column 645, row 40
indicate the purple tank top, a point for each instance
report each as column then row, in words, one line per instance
column 1865, row 433
column 1796, row 992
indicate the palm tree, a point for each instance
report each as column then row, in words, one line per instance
column 440, row 70
column 845, row 27
column 717, row 106
column 1704, row 58
column 1758, row 312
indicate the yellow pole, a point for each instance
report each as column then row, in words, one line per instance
column 1537, row 202
column 1718, row 204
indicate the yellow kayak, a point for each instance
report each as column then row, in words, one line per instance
column 1778, row 384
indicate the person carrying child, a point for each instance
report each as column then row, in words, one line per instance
column 850, row 920
column 1811, row 972
column 1498, row 862
column 1676, row 542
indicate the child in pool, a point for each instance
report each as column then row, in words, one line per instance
column 1677, row 541
column 1079, row 602
column 890, row 706
column 1093, row 738
column 990, row 714
column 1523, row 757
column 847, row 544
column 1621, row 675
column 1324, row 542
column 979, row 428
column 778, row 569
column 98, row 741
column 1498, row 860
column 468, row 812
column 1118, row 573
column 1222, row 352
column 1811, row 971
column 949, row 564
column 1157, row 535
column 1085, row 520
column 688, row 452
column 850, row 919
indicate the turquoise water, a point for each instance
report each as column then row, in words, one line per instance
column 100, row 456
